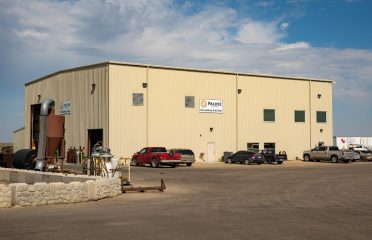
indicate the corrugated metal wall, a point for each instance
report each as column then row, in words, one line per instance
column 324, row 103
column 173, row 125
column 163, row 119
column 285, row 96
column 127, row 123
column 18, row 139
column 89, row 109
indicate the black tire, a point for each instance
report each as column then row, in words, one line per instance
column 154, row 163
column 280, row 162
column 229, row 161
column 346, row 161
column 173, row 165
column 334, row 159
column 246, row 162
column 188, row 164
column 25, row 159
column 306, row 158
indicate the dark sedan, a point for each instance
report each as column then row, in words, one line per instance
column 246, row 157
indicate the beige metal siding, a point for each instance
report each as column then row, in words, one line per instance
column 18, row 139
column 324, row 103
column 285, row 96
column 173, row 125
column 89, row 109
column 127, row 123
column 163, row 120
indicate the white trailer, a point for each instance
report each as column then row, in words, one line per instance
column 347, row 142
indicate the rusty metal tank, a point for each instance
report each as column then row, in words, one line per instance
column 55, row 134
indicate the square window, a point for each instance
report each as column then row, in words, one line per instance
column 253, row 146
column 189, row 101
column 321, row 117
column 137, row 99
column 269, row 115
column 299, row 116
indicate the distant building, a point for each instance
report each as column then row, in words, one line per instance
column 130, row 106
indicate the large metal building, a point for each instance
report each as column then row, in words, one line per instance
column 130, row 106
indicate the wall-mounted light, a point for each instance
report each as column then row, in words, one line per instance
column 321, row 130
column 319, row 95
column 239, row 91
column 144, row 85
column 211, row 129
column 38, row 98
column 93, row 88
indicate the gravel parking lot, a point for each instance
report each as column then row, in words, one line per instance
column 295, row 200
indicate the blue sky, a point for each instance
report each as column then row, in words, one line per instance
column 327, row 39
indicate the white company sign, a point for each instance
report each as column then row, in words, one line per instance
column 210, row 106
column 65, row 108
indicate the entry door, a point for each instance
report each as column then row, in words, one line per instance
column 94, row 136
column 211, row 152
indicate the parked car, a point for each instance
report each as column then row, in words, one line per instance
column 328, row 153
column 364, row 155
column 270, row 156
column 246, row 157
column 187, row 155
column 356, row 156
column 155, row 156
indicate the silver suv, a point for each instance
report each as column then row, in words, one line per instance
column 187, row 155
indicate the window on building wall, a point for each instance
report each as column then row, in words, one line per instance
column 269, row 146
column 253, row 146
column 137, row 99
column 321, row 116
column 189, row 101
column 299, row 116
column 269, row 115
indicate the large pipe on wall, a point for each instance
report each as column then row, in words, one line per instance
column 44, row 112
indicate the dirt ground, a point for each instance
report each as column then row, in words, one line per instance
column 295, row 200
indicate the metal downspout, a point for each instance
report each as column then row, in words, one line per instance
column 44, row 111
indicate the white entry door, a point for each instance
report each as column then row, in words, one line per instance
column 211, row 152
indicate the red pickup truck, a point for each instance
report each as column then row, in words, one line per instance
column 156, row 156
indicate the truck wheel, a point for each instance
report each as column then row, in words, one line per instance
column 229, row 161
column 334, row 159
column 188, row 164
column 154, row 163
column 306, row 158
column 246, row 162
column 280, row 162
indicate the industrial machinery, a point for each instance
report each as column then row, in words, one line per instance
column 48, row 136
column 101, row 162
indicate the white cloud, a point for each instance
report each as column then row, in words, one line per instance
column 291, row 46
column 259, row 33
column 58, row 34
column 284, row 26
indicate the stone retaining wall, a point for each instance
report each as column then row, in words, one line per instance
column 53, row 188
